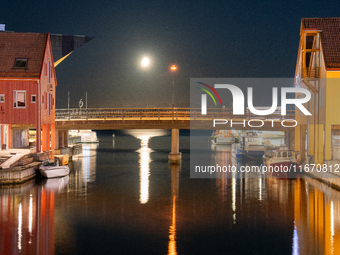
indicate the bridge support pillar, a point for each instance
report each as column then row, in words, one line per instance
column 65, row 138
column 289, row 140
column 60, row 139
column 175, row 156
column 303, row 136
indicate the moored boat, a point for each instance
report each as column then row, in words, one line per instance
column 54, row 171
column 86, row 136
column 249, row 148
column 222, row 137
column 282, row 163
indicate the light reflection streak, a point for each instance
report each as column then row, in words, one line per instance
column 30, row 218
column 332, row 219
column 172, row 230
column 86, row 163
column 295, row 241
column 172, row 246
column 19, row 226
column 233, row 196
column 332, row 228
column 144, row 160
column 260, row 190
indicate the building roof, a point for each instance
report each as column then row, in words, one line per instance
column 14, row 46
column 330, row 38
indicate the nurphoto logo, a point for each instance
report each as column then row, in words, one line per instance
column 238, row 99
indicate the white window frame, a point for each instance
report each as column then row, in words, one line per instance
column 15, row 98
column 32, row 99
column 2, row 95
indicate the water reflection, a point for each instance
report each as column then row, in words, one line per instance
column 144, row 159
column 172, row 248
column 296, row 216
column 83, row 168
column 317, row 218
column 27, row 220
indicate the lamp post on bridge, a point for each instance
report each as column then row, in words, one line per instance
column 173, row 68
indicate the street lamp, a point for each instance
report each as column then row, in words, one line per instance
column 173, row 68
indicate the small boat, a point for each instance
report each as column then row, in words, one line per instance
column 222, row 137
column 53, row 170
column 86, row 136
column 249, row 148
column 282, row 163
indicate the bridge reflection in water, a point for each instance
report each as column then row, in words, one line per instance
column 44, row 218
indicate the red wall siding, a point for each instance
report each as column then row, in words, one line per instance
column 46, row 72
column 11, row 115
column 29, row 115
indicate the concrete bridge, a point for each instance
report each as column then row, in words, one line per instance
column 165, row 118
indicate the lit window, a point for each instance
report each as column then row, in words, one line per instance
column 33, row 98
column 2, row 98
column 20, row 63
column 19, row 99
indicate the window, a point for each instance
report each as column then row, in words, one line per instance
column 19, row 99
column 21, row 63
column 48, row 71
column 2, row 98
column 33, row 98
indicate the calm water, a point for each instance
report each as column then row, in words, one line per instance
column 122, row 198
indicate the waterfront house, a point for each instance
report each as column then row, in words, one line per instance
column 318, row 70
column 27, row 90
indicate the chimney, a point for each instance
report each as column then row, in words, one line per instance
column 2, row 27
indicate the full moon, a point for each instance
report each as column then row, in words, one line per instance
column 145, row 62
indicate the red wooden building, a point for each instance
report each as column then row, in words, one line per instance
column 27, row 90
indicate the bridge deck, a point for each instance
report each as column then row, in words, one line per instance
column 162, row 118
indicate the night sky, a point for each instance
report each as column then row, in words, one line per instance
column 204, row 38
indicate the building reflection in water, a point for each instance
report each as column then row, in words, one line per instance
column 27, row 219
column 316, row 214
column 317, row 218
column 242, row 186
column 83, row 168
column 31, row 215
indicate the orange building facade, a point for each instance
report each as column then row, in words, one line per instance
column 317, row 137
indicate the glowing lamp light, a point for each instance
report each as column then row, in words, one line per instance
column 145, row 62
column 173, row 68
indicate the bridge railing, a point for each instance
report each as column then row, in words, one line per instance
column 159, row 114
